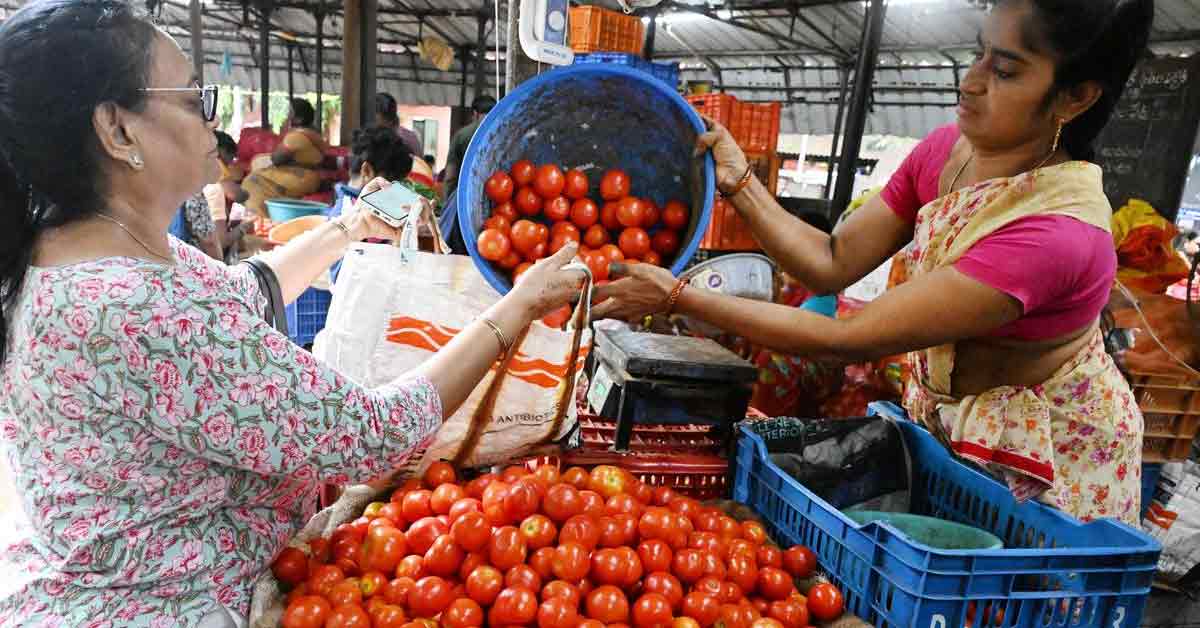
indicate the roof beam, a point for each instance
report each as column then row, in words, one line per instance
column 746, row 26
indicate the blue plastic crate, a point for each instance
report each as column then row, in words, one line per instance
column 1150, row 474
column 665, row 72
column 1058, row 572
column 307, row 315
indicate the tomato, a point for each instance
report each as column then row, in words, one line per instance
column 371, row 582
column 538, row 531
column 742, row 571
column 423, row 532
column 542, row 562
column 731, row 593
column 708, row 542
column 774, row 583
column 564, row 227
column 675, row 215
column 607, row 567
column 476, row 487
column 484, row 584
column 345, row 592
column 513, row 607
column 386, row 616
column 528, row 202
column 610, row 532
column 372, row 509
column 557, row 208
column 790, row 613
column 825, row 602
column 462, row 613
column 323, row 578
column 523, row 172
column 291, row 566
column 741, row 546
column 508, row 211
column 577, row 477
column 710, row 586
column 379, row 522
column 665, row 242
column 562, row 502
column 445, row 496
column 735, row 616
column 521, row 500
column 396, row 591
column 634, row 242
column 549, row 181
column 766, row 622
column 631, row 212
column 524, row 236
column 309, row 611
column 429, row 596
column 416, row 503
column 563, row 589
column 499, row 187
column 538, row 252
column 506, row 548
column 608, row 480
column 754, row 532
column 769, row 556
column 575, row 184
column 462, row 507
column 412, row 566
column 799, row 561
column 558, row 612
column 598, row 263
column 666, row 585
column 655, row 554
column 656, row 523
column 623, row 503
column 653, row 214
column 584, row 213
column 499, row 223
column 472, row 531
column 383, row 549
column 595, row 237
column 652, row 611
column 510, row 261
column 516, row 276
column 614, row 186
column 393, row 512
column 713, row 565
column 581, row 529
column 688, row 565
column 703, row 608
column 473, row 560
column 663, row 495
column 608, row 604
column 523, row 576
column 685, row 622
column 571, row 561
column 444, row 557
column 652, row 258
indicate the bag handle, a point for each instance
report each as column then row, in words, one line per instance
column 268, row 283
column 485, row 412
column 410, row 234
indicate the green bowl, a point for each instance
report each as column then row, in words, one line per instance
column 936, row 533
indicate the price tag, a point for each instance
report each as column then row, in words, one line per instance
column 602, row 384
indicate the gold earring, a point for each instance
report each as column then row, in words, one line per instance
column 1057, row 136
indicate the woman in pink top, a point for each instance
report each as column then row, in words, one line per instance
column 1010, row 266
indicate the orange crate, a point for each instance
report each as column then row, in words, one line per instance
column 755, row 126
column 596, row 29
column 719, row 107
column 647, row 438
column 1171, row 408
column 727, row 230
column 699, row 476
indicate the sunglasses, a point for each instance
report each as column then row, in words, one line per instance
column 208, row 98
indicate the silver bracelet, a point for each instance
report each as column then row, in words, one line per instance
column 346, row 230
column 504, row 346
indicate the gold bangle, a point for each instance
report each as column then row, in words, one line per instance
column 504, row 346
column 742, row 182
column 678, row 290
column 344, row 229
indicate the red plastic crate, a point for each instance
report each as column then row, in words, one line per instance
column 727, row 230
column 694, row 475
column 599, row 433
column 755, row 126
column 719, row 107
column 596, row 29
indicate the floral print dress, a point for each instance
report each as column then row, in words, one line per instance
column 166, row 442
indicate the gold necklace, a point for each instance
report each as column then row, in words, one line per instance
column 972, row 156
column 136, row 239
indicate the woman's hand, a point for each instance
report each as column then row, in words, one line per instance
column 643, row 289
column 363, row 223
column 546, row 287
column 731, row 161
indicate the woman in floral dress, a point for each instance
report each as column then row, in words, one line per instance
column 165, row 441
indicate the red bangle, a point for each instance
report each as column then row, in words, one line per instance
column 678, row 290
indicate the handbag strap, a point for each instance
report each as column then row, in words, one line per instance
column 268, row 282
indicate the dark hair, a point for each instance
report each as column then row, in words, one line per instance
column 385, row 106
column 59, row 60
column 383, row 149
column 303, row 113
column 1091, row 40
column 225, row 143
column 483, row 104
column 429, row 159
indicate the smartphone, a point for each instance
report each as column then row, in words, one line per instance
column 393, row 204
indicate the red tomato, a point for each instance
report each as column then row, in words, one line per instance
column 598, row 263
column 608, row 480
column 608, row 216
column 499, row 187
column 523, row 172
column 608, row 604
column 386, row 616
column 710, row 586
column 610, row 532
column 614, row 254
column 443, row 558
column 628, row 525
column 655, row 523
column 321, row 549
column 416, row 503
column 506, row 548
column 663, row 495
column 549, row 181
column 735, row 616
column 383, row 549
column 523, row 576
column 708, row 542
column 562, row 502
column 634, row 242
column 538, row 252
column 394, row 512
column 825, row 602
column 652, row 611
column 291, row 566
column 513, row 607
column 581, row 529
column 766, row 622
column 631, row 212
column 742, row 571
column 476, row 487
column 472, row 531
column 799, row 561
column 774, row 583
column 731, row 593
column 345, row 592
column 528, row 202
column 462, row 507
column 703, row 608
column 557, row 208
column 563, row 589
column 713, row 565
column 525, row 236
column 688, row 565
column 371, row 583
column 429, row 596
column 538, row 531
column 665, row 242
column 558, row 612
column 754, row 532
column 510, row 261
column 522, row 500
column 769, row 556
column 413, row 566
column 652, row 258
column 508, row 211
column 576, row 476
column 308, row 611
column 685, row 622
column 666, row 585
column 653, row 214
column 516, row 276
column 607, row 567
column 656, row 555
column 396, row 591
column 614, row 186
column 422, row 533
column 584, row 213
column 675, row 215
column 444, row 496
column 570, row 229
column 595, row 237
column 372, row 509
column 484, row 584
column 571, row 561
column 542, row 562
column 462, row 613
column 473, row 560
column 593, row 503
column 790, row 613
column 560, row 240
column 499, row 223
column 576, row 185
column 622, row 503
column 742, row 546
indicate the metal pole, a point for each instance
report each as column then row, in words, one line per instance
column 837, row 131
column 651, row 31
column 857, row 120
column 462, row 92
column 370, row 52
column 319, row 15
column 480, row 52
column 197, row 28
column 291, row 78
column 264, row 70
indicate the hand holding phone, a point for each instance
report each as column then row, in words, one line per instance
column 393, row 204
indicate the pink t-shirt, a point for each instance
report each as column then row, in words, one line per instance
column 1059, row 268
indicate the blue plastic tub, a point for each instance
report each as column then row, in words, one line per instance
column 285, row 209
column 1150, row 474
column 306, row 316
column 666, row 72
column 593, row 117
column 1055, row 571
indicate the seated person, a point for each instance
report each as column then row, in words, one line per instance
column 295, row 164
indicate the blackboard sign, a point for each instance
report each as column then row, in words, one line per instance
column 1146, row 149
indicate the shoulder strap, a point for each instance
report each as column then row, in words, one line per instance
column 269, row 284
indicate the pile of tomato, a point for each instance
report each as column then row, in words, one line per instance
column 536, row 210
column 579, row 549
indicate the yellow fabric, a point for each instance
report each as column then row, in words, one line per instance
column 1073, row 442
column 306, row 146
column 290, row 181
column 1146, row 258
